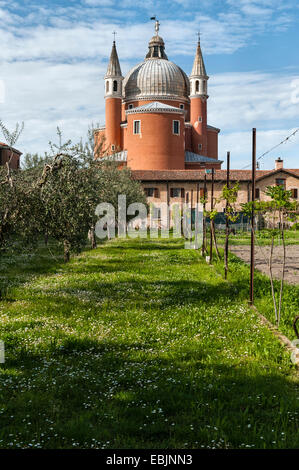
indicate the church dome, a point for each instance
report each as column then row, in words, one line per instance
column 156, row 77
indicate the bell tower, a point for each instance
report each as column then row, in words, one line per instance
column 113, row 98
column 198, row 109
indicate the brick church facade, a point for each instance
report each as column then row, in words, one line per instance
column 156, row 117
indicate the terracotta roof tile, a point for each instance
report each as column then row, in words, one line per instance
column 195, row 175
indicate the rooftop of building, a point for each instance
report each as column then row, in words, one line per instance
column 199, row 175
column 5, row 146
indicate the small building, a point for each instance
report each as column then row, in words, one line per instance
column 178, row 187
column 7, row 153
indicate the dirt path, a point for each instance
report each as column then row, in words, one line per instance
column 262, row 259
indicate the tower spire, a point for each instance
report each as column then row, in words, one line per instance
column 113, row 69
column 113, row 96
column 199, row 69
column 198, row 108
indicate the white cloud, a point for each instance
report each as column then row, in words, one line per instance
column 239, row 100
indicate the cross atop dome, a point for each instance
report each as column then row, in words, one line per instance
column 157, row 24
column 157, row 27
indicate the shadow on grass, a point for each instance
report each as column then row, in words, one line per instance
column 105, row 391
column 20, row 265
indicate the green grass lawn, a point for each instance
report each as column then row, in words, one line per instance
column 262, row 237
column 139, row 344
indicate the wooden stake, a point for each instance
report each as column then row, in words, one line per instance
column 211, row 221
column 204, row 249
column 227, row 219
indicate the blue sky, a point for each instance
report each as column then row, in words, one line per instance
column 54, row 55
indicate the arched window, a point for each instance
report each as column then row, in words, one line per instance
column 107, row 87
column 197, row 86
column 115, row 85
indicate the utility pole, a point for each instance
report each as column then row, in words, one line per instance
column 211, row 220
column 227, row 219
column 252, row 216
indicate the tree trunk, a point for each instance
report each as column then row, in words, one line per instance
column 66, row 247
column 215, row 240
column 93, row 240
column 226, row 247
column 204, row 233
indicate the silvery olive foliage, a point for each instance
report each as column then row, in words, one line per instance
column 55, row 196
column 18, row 199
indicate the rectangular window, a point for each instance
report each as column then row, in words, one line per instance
column 137, row 126
column 176, row 127
column 281, row 182
column 112, row 147
column 177, row 192
column 199, row 118
column 202, row 192
column 181, row 106
column 151, row 192
column 199, row 146
column 257, row 193
column 294, row 193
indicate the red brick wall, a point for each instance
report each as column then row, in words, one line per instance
column 113, row 120
column 212, row 144
column 199, row 130
column 156, row 148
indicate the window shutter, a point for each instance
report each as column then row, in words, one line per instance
column 202, row 192
column 257, row 193
column 182, row 192
column 295, row 193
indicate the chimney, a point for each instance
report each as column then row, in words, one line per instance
column 279, row 164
